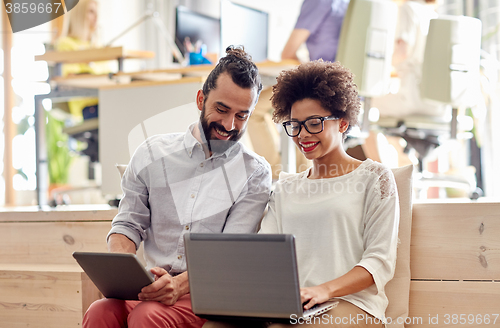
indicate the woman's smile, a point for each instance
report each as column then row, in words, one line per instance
column 308, row 146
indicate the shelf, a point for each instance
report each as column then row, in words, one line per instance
column 90, row 55
column 86, row 125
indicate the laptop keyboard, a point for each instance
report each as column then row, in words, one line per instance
column 310, row 312
column 306, row 312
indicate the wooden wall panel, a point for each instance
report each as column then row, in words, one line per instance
column 454, row 304
column 456, row 241
column 90, row 293
column 50, row 242
column 40, row 299
column 41, row 285
column 80, row 213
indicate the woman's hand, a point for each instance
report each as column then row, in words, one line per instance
column 314, row 295
column 352, row 282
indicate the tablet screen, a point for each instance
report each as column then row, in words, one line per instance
column 116, row 275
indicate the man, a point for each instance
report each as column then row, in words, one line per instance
column 201, row 181
column 318, row 25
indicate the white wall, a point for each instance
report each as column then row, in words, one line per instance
column 282, row 17
column 114, row 17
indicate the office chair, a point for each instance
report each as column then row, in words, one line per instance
column 366, row 50
column 450, row 76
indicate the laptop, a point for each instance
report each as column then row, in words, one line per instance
column 116, row 275
column 245, row 276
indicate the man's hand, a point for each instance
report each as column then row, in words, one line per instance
column 314, row 295
column 166, row 289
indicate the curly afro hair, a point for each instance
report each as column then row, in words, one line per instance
column 330, row 83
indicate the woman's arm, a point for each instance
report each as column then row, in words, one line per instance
column 380, row 239
column 352, row 282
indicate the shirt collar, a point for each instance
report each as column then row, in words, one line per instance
column 190, row 141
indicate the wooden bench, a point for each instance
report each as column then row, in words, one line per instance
column 40, row 283
column 455, row 263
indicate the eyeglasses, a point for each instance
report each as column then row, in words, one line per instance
column 313, row 125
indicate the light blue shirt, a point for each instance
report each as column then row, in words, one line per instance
column 323, row 19
column 171, row 189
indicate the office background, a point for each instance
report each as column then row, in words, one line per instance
column 29, row 76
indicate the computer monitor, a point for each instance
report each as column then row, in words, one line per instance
column 241, row 25
column 196, row 26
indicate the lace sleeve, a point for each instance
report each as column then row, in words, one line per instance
column 385, row 186
column 380, row 236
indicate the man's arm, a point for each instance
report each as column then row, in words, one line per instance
column 118, row 243
column 295, row 40
column 134, row 215
column 246, row 213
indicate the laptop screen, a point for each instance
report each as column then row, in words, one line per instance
column 246, row 275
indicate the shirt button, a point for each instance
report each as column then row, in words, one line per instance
column 187, row 227
column 192, row 195
column 179, row 257
column 201, row 165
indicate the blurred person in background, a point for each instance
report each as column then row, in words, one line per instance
column 318, row 25
column 411, row 35
column 79, row 33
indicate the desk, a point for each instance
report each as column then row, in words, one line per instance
column 58, row 58
column 268, row 70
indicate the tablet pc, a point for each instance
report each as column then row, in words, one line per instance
column 116, row 275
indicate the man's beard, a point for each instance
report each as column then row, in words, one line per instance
column 216, row 145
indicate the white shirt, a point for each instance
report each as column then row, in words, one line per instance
column 171, row 189
column 413, row 27
column 339, row 223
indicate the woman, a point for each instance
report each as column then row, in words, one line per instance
column 80, row 34
column 343, row 212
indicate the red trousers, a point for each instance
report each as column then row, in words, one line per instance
column 112, row 313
